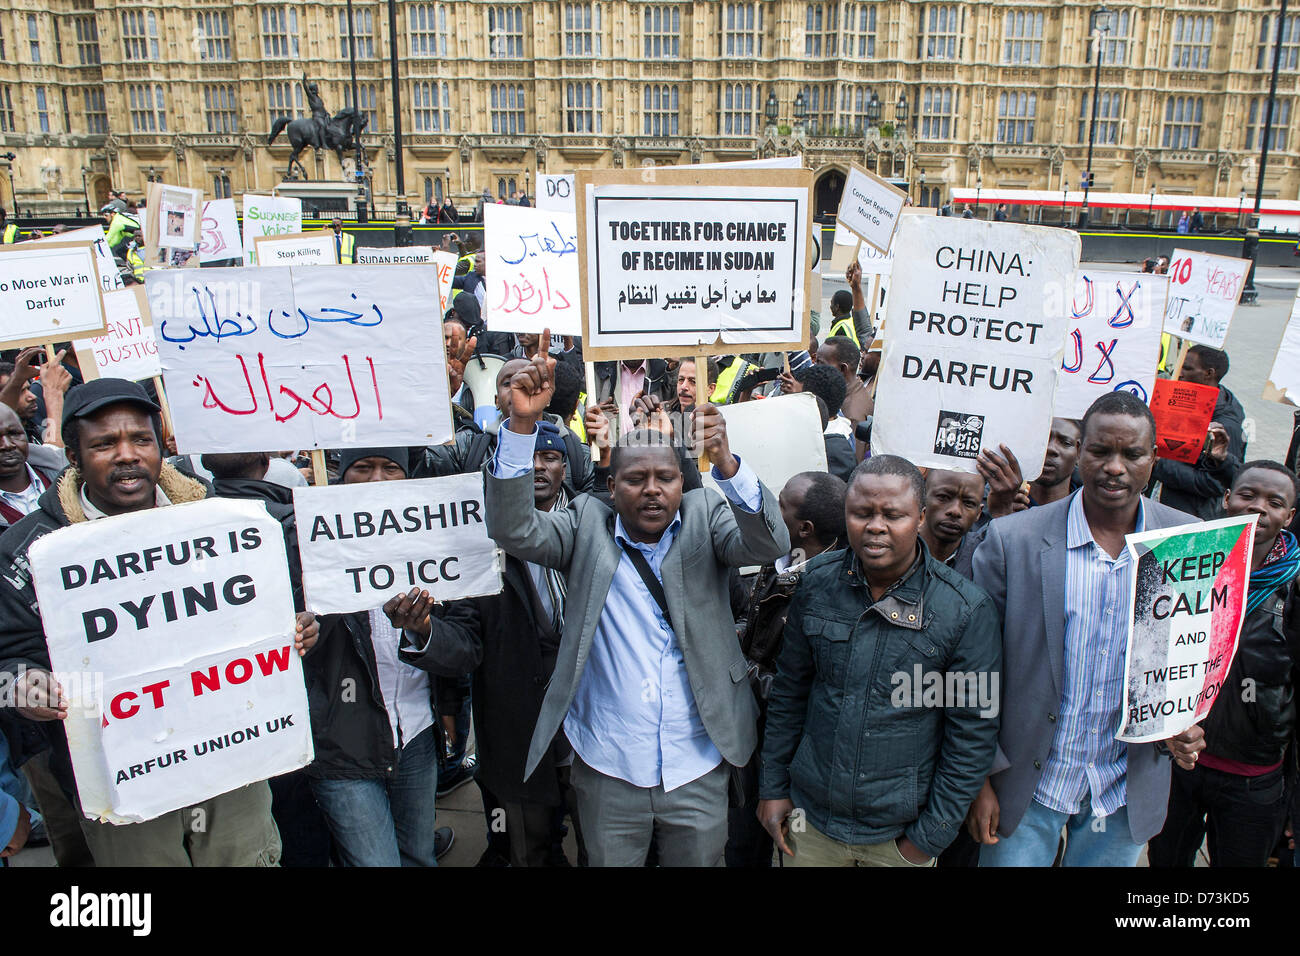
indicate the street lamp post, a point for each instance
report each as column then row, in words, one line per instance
column 770, row 110
column 1151, row 201
column 920, row 189
column 800, row 110
column 1250, row 245
column 402, row 219
column 1100, row 27
column 979, row 185
column 873, row 111
column 358, row 174
column 1241, row 201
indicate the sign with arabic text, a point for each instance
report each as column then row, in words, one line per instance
column 272, row 357
column 694, row 260
column 532, row 270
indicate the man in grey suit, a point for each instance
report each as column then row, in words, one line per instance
column 1059, row 574
column 650, row 683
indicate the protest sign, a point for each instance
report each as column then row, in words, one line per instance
column 777, row 437
column 316, row 248
column 1203, row 294
column 312, row 357
column 404, row 255
column 269, row 216
column 179, row 219
column 974, row 338
column 1183, row 413
column 532, row 270
column 1113, row 338
column 874, row 262
column 870, row 207
column 362, row 543
column 1189, row 588
column 1283, row 383
column 109, row 276
column 219, row 236
column 555, row 192
column 694, row 261
column 186, row 612
column 445, row 263
column 129, row 349
column 775, row 162
column 49, row 291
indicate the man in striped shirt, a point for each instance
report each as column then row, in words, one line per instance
column 1059, row 575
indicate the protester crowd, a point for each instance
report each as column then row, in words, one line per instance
column 689, row 676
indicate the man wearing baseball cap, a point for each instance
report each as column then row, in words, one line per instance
column 112, row 432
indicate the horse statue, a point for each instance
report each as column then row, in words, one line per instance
column 319, row 131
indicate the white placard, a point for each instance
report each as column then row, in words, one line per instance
column 219, row 239
column 304, row 249
column 870, row 207
column 874, row 262
column 688, row 266
column 777, row 437
column 975, row 330
column 129, row 349
column 186, row 614
column 49, row 292
column 445, row 263
column 532, row 270
column 555, row 192
column 269, row 216
column 265, row 358
column 1112, row 339
column 401, row 255
column 363, row 543
column 179, row 217
column 109, row 276
column 1203, row 294
column 1283, row 383
column 776, row 162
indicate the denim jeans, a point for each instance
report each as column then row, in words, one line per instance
column 1242, row 816
column 455, row 755
column 385, row 822
column 1090, row 841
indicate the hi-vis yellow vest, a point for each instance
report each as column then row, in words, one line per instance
column 577, row 424
column 136, row 262
column 728, row 385
column 347, row 249
column 11, row 233
column 846, row 328
column 1164, row 352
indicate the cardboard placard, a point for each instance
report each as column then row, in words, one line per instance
column 1283, row 383
column 109, row 276
column 260, row 358
column 1189, row 587
column 219, row 239
column 49, row 292
column 1112, row 341
column 778, row 437
column 973, row 341
column 269, row 216
column 555, row 192
column 129, row 350
column 360, row 544
column 394, row 255
column 315, row 248
column 870, row 207
column 679, row 262
column 1203, row 293
column 184, row 617
column 532, row 270
column 1183, row 414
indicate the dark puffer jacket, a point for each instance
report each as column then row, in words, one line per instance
column 1254, row 717
column 844, row 741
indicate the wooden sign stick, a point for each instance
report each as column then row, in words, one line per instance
column 1183, row 349
column 168, row 428
column 319, row 476
column 591, row 400
column 701, row 396
column 49, row 352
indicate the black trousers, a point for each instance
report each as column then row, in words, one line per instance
column 1241, row 817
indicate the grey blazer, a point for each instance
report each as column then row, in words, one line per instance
column 1021, row 564
column 579, row 541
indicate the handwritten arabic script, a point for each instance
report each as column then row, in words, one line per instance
column 317, row 356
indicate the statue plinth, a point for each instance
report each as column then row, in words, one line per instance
column 322, row 195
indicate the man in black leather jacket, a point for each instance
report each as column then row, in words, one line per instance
column 1236, row 791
